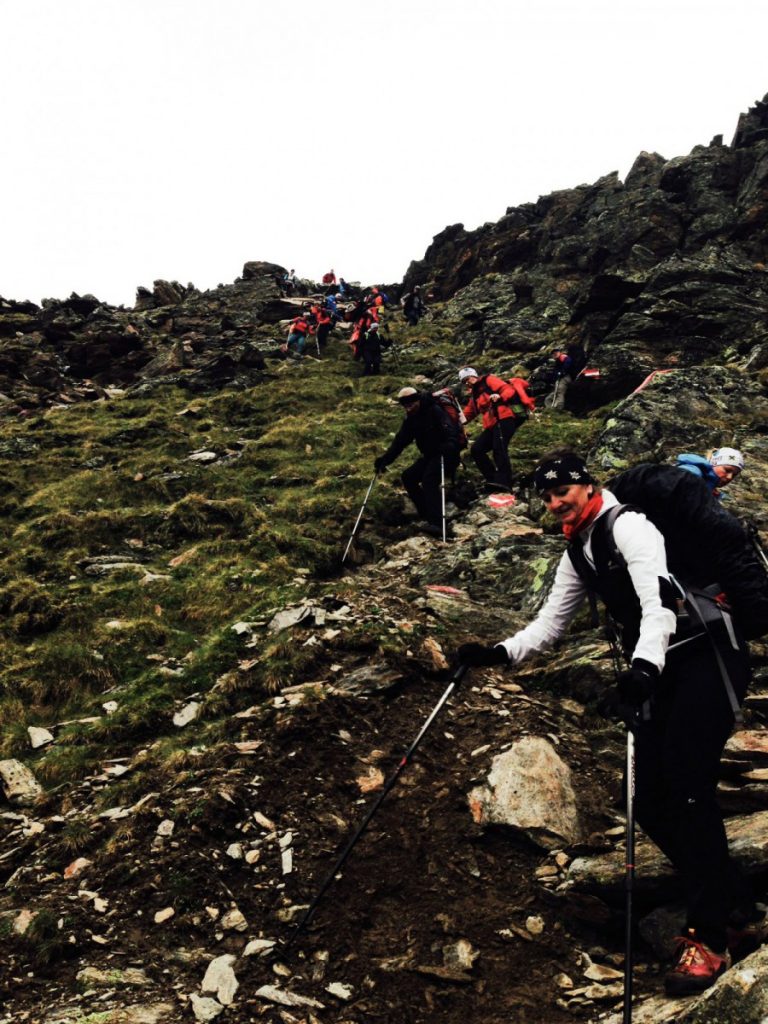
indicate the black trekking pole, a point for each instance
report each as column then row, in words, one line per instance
column 359, row 517
column 393, row 350
column 629, row 877
column 456, row 678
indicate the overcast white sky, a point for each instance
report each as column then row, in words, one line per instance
column 179, row 138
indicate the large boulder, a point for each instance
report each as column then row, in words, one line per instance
column 529, row 789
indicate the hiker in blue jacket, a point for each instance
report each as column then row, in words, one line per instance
column 719, row 470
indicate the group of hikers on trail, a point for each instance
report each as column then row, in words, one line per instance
column 684, row 586
column 684, row 590
column 366, row 314
column 434, row 422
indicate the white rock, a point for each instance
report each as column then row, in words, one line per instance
column 23, row 920
column 110, row 706
column 220, row 979
column 235, row 851
column 340, row 991
column 19, row 784
column 263, row 820
column 529, row 788
column 258, row 947
column 39, row 737
column 202, row 457
column 77, row 867
column 234, row 921
column 164, row 915
column 534, row 924
column 287, row 861
column 187, row 714
column 165, row 828
column 204, row 1008
column 601, row 973
column 277, row 995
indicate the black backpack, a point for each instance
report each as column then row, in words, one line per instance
column 705, row 544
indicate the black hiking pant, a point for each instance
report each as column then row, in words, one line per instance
column 323, row 330
column 422, row 483
column 495, row 439
column 677, row 767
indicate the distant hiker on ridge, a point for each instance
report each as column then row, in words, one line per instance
column 413, row 305
column 436, row 436
column 289, row 282
column 504, row 406
column 297, row 335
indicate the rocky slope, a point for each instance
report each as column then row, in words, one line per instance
column 198, row 703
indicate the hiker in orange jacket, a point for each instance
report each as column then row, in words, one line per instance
column 503, row 408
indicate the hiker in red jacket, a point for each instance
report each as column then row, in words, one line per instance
column 503, row 407
column 297, row 335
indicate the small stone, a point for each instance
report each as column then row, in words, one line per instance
column 287, row 861
column 19, row 784
column 535, row 924
column 235, row 851
column 263, row 820
column 23, row 920
column 165, row 828
column 187, row 714
column 259, row 947
column 110, row 706
column 234, row 921
column 204, row 1008
column 220, row 979
column 563, row 981
column 336, row 988
column 39, row 737
column 601, row 973
column 77, row 867
column 164, row 915
column 283, row 998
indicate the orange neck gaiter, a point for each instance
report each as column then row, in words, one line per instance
column 588, row 515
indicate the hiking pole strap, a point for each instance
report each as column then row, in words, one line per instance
column 733, row 700
column 456, row 678
column 359, row 517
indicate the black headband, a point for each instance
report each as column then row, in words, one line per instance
column 561, row 472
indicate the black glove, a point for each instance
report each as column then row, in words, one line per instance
column 477, row 655
column 380, row 464
column 638, row 684
column 624, row 702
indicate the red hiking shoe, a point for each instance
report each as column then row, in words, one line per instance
column 696, row 967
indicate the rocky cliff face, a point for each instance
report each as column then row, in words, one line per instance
column 667, row 268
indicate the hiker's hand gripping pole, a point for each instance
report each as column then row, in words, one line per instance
column 456, row 678
column 359, row 517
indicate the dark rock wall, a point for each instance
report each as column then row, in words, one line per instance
column 666, row 268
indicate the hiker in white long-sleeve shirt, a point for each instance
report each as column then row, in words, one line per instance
column 688, row 681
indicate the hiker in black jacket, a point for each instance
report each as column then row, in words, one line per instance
column 436, row 436
column 688, row 671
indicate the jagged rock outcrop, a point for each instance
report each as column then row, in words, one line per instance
column 666, row 268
